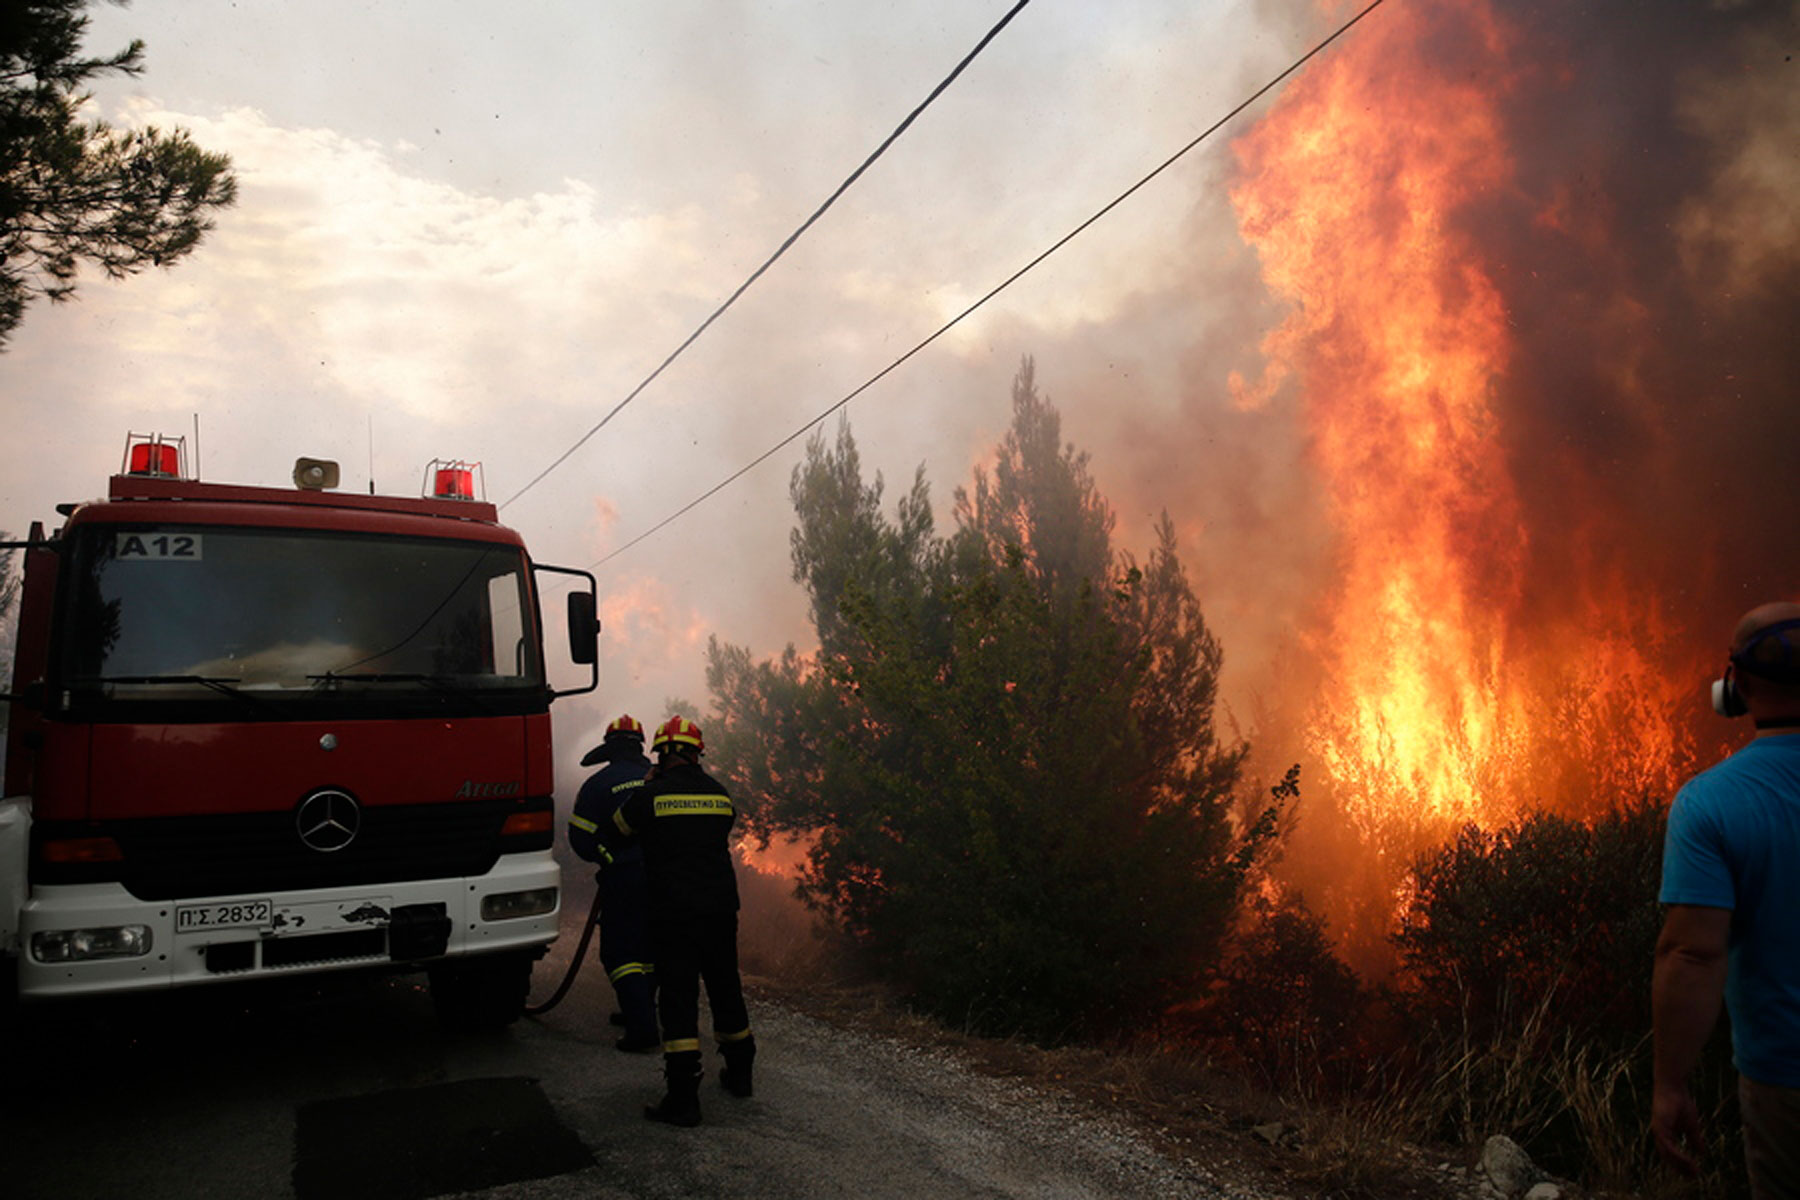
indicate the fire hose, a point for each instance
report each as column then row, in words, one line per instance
column 568, row 979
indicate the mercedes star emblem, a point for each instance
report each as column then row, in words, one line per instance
column 328, row 820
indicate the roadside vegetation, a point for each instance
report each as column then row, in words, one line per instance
column 1003, row 752
column 1018, row 819
column 9, row 598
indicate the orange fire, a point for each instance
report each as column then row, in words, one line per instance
column 1442, row 701
column 782, row 858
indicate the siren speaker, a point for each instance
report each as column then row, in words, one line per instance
column 315, row 474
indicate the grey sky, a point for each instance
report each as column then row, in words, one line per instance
column 473, row 227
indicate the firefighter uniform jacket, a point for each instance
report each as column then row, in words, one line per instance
column 683, row 817
column 626, row 949
column 599, row 798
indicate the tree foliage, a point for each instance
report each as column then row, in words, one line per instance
column 1003, row 750
column 74, row 191
column 9, row 591
column 9, row 588
column 9, row 598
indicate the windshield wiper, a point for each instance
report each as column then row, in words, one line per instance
column 220, row 684
column 459, row 689
column 446, row 683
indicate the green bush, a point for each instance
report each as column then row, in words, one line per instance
column 1545, row 911
column 1526, row 955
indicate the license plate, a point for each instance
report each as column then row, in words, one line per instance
column 230, row 914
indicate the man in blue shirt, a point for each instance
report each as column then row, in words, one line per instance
column 1731, row 879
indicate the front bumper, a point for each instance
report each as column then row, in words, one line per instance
column 401, row 925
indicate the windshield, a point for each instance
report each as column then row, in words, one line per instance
column 172, row 613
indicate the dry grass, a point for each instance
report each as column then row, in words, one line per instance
column 1171, row 1096
column 1360, row 1148
column 1574, row 1102
column 1388, row 1142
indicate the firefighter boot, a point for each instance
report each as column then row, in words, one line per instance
column 636, row 998
column 738, row 1055
column 681, row 1104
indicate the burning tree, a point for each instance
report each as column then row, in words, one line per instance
column 1004, row 749
column 1538, row 338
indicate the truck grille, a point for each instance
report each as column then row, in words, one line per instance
column 173, row 858
column 230, row 958
column 324, row 947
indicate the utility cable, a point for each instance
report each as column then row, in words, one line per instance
column 1002, row 286
column 782, row 249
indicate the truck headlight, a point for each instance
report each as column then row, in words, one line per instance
column 78, row 945
column 504, row 906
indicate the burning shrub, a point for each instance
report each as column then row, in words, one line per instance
column 1526, row 956
column 1285, row 1007
column 1543, row 911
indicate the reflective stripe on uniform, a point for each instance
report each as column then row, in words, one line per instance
column 739, row 1036
column 621, row 823
column 632, row 968
column 707, row 804
column 682, row 1046
column 583, row 824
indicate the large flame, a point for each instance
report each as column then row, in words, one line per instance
column 785, row 857
column 1442, row 702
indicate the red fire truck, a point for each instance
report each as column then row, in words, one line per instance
column 261, row 732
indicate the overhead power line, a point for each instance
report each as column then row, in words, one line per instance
column 780, row 250
column 995, row 291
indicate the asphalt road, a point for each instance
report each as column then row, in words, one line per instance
column 355, row 1092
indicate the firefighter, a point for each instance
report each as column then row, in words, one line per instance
column 683, row 818
column 625, row 945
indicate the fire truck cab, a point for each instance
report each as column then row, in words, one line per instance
column 260, row 732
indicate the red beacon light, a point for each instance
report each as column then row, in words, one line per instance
column 454, row 479
column 154, row 455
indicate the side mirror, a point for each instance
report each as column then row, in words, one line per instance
column 584, row 628
column 32, row 695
